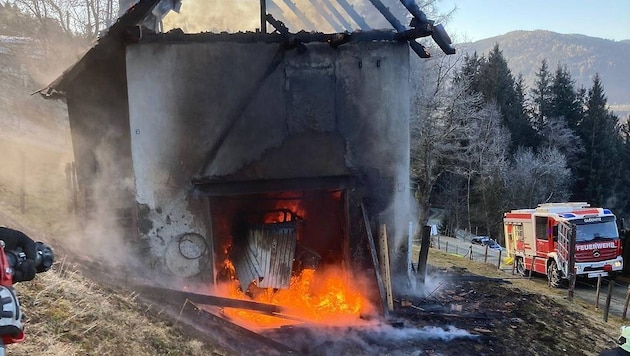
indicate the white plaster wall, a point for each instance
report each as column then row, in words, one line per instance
column 345, row 109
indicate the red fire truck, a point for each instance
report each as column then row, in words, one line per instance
column 554, row 236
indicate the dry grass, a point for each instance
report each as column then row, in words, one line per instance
column 67, row 314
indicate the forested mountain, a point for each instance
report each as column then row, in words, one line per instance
column 583, row 56
column 484, row 143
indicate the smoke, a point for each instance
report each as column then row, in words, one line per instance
column 244, row 15
column 372, row 339
column 215, row 16
column 101, row 234
column 35, row 137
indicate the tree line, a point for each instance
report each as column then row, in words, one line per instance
column 77, row 18
column 483, row 143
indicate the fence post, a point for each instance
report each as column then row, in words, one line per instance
column 599, row 285
column 611, row 284
column 625, row 305
column 485, row 255
column 23, row 185
column 571, row 288
column 499, row 263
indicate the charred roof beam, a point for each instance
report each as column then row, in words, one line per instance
column 415, row 46
column 291, row 41
column 294, row 41
column 345, row 24
column 300, row 15
column 327, row 16
column 356, row 17
column 420, row 21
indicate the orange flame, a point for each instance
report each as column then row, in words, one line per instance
column 322, row 297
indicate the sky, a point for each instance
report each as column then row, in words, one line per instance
column 478, row 19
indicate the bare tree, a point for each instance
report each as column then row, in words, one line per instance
column 537, row 178
column 85, row 18
column 557, row 134
column 446, row 127
column 483, row 161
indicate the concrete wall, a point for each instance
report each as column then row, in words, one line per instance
column 226, row 111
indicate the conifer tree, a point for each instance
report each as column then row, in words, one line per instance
column 565, row 101
column 496, row 83
column 598, row 167
column 542, row 96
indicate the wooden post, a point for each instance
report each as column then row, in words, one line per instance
column 611, row 285
column 499, row 263
column 446, row 247
column 571, row 267
column 440, row 247
column 387, row 280
column 485, row 255
column 424, row 253
column 572, row 284
column 346, row 234
column 69, row 193
column 372, row 246
column 599, row 285
column 470, row 253
column 411, row 272
column 514, row 264
column 75, row 188
column 22, row 185
column 263, row 16
column 625, row 305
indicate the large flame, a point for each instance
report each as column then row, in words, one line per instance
column 322, row 297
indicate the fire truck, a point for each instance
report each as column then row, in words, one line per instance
column 555, row 236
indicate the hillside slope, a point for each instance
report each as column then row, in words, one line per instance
column 584, row 56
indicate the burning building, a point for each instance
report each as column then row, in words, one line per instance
column 248, row 156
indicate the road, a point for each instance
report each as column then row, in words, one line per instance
column 584, row 289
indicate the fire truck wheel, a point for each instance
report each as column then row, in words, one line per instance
column 520, row 267
column 554, row 275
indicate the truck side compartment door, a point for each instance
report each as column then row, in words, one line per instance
column 566, row 236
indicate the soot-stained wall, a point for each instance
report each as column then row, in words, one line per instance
column 227, row 111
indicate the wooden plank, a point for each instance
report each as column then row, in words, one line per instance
column 387, row 278
column 374, row 255
column 171, row 294
column 346, row 231
column 208, row 322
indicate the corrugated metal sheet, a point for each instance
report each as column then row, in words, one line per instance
column 268, row 256
column 247, row 267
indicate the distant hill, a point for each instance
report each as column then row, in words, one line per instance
column 584, row 56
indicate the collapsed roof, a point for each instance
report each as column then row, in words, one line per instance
column 147, row 15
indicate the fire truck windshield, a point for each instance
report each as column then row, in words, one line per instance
column 593, row 229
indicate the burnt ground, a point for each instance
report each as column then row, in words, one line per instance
column 467, row 314
column 470, row 309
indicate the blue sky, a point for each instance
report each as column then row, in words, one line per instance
column 478, row 19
